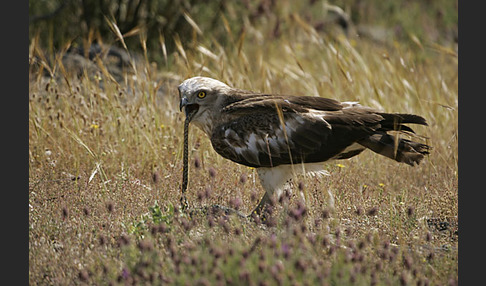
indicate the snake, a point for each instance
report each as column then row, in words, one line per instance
column 185, row 161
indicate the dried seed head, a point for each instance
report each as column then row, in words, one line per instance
column 102, row 240
column 337, row 232
column 201, row 195
column 83, row 275
column 325, row 241
column 372, row 211
column 403, row 278
column 65, row 213
column 253, row 196
column 386, row 244
column 361, row 244
column 110, row 207
column 207, row 192
column 301, row 186
column 236, row 203
column 212, row 172
column 123, row 240
column 244, row 276
column 145, row 245
column 261, row 266
column 349, row 231
column 155, row 177
column 410, row 211
column 325, row 214
column 300, row 265
column 197, row 163
column 407, row 262
column 243, row 178
column 237, row 231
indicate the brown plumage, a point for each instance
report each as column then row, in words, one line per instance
column 274, row 132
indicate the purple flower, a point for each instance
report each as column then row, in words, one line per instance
column 125, row 273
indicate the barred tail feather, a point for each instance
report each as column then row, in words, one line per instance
column 395, row 121
column 405, row 151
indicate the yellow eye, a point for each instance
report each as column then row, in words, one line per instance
column 201, row 94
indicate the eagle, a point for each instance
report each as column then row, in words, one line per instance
column 281, row 135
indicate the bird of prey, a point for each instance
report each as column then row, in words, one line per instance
column 280, row 135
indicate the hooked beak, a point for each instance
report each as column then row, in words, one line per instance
column 190, row 108
column 183, row 103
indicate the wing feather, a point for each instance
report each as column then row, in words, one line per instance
column 252, row 132
column 258, row 139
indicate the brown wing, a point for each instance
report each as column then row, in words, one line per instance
column 253, row 134
column 252, row 103
column 266, row 131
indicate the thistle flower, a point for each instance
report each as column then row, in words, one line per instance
column 125, row 274
column 298, row 212
column 286, row 250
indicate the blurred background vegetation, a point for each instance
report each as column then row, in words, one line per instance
column 58, row 22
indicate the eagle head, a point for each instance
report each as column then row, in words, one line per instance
column 200, row 98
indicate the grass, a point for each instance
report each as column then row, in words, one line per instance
column 105, row 169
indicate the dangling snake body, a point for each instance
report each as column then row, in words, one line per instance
column 185, row 161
